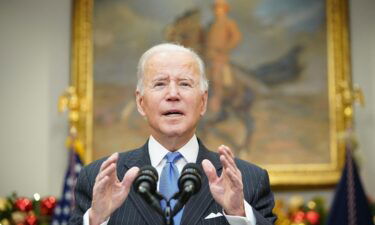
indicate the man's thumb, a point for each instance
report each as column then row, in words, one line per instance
column 209, row 170
column 129, row 177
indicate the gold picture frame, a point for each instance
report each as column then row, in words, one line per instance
column 339, row 83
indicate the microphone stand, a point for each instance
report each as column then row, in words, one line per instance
column 168, row 214
column 154, row 201
column 189, row 184
column 182, row 198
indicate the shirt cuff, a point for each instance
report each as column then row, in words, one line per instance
column 240, row 220
column 86, row 219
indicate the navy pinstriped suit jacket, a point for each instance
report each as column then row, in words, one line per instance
column 135, row 211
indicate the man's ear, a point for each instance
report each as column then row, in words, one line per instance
column 139, row 100
column 204, row 102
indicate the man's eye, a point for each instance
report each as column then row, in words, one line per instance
column 185, row 84
column 159, row 84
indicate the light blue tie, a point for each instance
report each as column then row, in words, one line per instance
column 168, row 182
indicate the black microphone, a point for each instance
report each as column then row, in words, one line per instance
column 145, row 185
column 189, row 184
column 190, row 179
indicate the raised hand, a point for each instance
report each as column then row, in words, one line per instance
column 109, row 193
column 227, row 190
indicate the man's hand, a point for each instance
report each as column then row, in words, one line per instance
column 227, row 190
column 109, row 193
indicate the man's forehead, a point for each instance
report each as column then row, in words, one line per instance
column 169, row 61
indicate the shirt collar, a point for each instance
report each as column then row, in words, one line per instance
column 157, row 151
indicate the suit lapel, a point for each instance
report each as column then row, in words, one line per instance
column 141, row 158
column 198, row 204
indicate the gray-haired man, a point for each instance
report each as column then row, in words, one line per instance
column 172, row 93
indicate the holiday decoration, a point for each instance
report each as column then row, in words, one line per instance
column 31, row 220
column 313, row 217
column 16, row 210
column 48, row 205
column 313, row 212
column 24, row 204
column 299, row 212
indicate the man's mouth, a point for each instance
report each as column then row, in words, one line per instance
column 173, row 113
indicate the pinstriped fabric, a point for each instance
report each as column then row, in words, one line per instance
column 256, row 191
column 83, row 195
column 135, row 210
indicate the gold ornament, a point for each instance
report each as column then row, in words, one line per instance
column 18, row 217
column 3, row 204
column 295, row 203
column 311, row 205
column 282, row 216
column 4, row 222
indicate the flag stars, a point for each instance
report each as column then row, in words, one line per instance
column 68, row 195
column 66, row 210
column 77, row 168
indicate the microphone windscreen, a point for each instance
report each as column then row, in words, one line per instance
column 150, row 170
column 147, row 177
column 190, row 173
column 190, row 167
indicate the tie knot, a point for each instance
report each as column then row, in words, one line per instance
column 173, row 156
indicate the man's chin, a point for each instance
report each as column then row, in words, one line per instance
column 174, row 132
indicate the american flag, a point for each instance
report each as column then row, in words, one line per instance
column 350, row 205
column 65, row 205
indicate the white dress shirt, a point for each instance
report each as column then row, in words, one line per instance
column 189, row 154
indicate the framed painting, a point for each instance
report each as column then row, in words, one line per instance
column 282, row 101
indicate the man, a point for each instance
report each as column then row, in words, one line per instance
column 172, row 95
column 223, row 36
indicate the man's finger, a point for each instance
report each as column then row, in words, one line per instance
column 109, row 171
column 234, row 178
column 228, row 162
column 224, row 150
column 112, row 159
column 209, row 170
column 100, row 186
column 229, row 170
column 227, row 150
column 229, row 159
column 129, row 177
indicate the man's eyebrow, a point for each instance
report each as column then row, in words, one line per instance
column 186, row 79
column 160, row 78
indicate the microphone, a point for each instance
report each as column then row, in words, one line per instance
column 189, row 184
column 190, row 179
column 145, row 185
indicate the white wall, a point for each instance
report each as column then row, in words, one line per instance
column 34, row 70
column 363, row 63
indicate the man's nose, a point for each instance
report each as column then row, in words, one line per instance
column 173, row 92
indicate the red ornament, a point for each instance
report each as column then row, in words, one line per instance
column 313, row 217
column 31, row 220
column 24, row 204
column 298, row 217
column 48, row 205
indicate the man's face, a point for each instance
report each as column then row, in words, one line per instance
column 220, row 10
column 172, row 100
